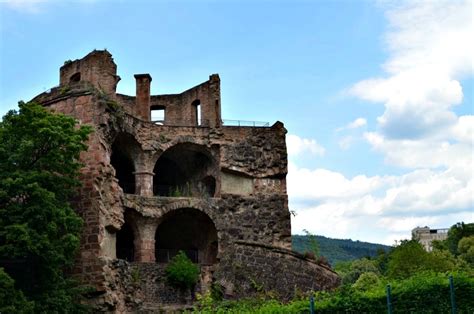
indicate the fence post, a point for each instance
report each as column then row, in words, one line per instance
column 311, row 305
column 451, row 290
column 389, row 300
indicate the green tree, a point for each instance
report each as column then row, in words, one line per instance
column 406, row 259
column 313, row 243
column 39, row 231
column 351, row 271
column 381, row 260
column 12, row 300
column 410, row 257
column 466, row 249
column 456, row 233
column 367, row 281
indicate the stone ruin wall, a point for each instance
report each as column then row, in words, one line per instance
column 249, row 207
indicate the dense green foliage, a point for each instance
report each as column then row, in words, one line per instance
column 351, row 271
column 466, row 249
column 12, row 300
column 181, row 272
column 336, row 250
column 423, row 293
column 456, row 233
column 39, row 231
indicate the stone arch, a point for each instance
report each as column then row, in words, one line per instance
column 190, row 230
column 185, row 169
column 124, row 154
column 126, row 238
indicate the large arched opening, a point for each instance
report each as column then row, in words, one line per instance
column 125, row 243
column 186, row 170
column 188, row 230
column 121, row 160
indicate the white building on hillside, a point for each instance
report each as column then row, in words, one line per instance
column 426, row 236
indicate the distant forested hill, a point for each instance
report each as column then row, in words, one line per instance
column 336, row 250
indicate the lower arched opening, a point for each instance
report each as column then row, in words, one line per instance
column 188, row 230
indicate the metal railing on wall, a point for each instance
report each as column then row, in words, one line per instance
column 205, row 123
column 245, row 123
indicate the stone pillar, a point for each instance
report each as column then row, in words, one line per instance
column 144, row 183
column 142, row 105
column 213, row 113
column 145, row 241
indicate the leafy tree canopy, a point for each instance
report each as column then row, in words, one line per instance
column 456, row 233
column 39, row 231
column 410, row 257
column 351, row 271
column 466, row 249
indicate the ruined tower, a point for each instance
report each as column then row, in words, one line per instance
column 165, row 173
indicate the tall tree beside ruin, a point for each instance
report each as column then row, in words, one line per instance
column 39, row 231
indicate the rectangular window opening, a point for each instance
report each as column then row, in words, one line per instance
column 158, row 116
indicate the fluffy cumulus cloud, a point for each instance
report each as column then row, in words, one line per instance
column 297, row 145
column 327, row 202
column 430, row 52
column 431, row 49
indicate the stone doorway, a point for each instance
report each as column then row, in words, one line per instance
column 189, row 230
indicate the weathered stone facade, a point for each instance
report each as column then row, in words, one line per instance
column 187, row 181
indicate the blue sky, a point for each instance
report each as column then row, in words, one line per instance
column 377, row 96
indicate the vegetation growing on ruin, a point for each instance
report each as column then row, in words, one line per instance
column 181, row 272
column 39, row 230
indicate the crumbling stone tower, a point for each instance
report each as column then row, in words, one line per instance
column 164, row 173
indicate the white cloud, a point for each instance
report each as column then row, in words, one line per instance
column 347, row 141
column 321, row 184
column 328, row 203
column 463, row 130
column 357, row 123
column 431, row 49
column 25, row 6
column 297, row 145
column 424, row 153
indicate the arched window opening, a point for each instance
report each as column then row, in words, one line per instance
column 184, row 170
column 76, row 77
column 125, row 247
column 197, row 111
column 188, row 230
column 208, row 185
column 123, row 165
column 158, row 114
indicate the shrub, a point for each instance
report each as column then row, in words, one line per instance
column 181, row 272
column 12, row 300
column 366, row 281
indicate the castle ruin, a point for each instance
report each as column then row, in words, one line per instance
column 163, row 173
